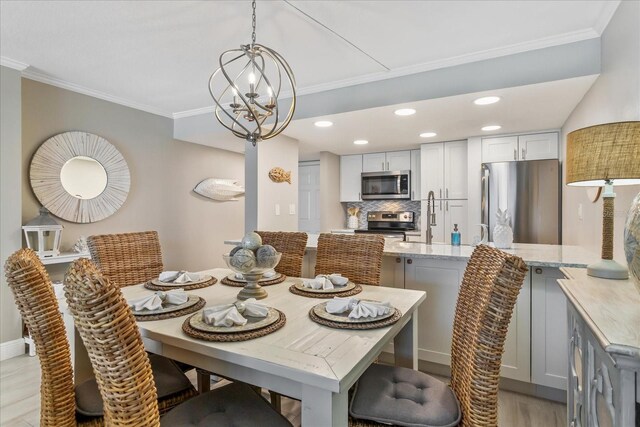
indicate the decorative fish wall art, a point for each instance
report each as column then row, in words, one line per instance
column 219, row 189
column 280, row 175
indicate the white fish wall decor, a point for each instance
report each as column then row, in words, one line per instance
column 220, row 189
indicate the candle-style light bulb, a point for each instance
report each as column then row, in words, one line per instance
column 235, row 96
column 270, row 93
column 252, row 78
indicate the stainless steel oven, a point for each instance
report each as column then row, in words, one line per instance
column 386, row 185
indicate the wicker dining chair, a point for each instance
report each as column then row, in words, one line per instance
column 123, row 372
column 62, row 403
column 292, row 245
column 358, row 256
column 128, row 258
column 487, row 296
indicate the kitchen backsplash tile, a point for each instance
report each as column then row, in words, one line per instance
column 385, row 205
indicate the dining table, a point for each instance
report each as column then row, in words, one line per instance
column 303, row 360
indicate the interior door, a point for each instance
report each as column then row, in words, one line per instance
column 309, row 198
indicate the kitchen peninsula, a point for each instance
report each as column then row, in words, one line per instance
column 535, row 351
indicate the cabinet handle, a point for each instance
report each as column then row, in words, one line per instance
column 409, row 261
column 359, row 196
column 413, row 195
column 447, row 193
column 440, row 205
column 382, row 165
column 538, row 271
column 524, row 154
column 398, row 260
column 440, row 193
column 447, row 206
column 515, row 154
column 387, row 165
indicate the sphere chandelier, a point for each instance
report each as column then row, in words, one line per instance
column 247, row 87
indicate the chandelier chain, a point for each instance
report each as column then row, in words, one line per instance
column 253, row 23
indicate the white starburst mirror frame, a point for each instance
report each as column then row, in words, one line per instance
column 79, row 177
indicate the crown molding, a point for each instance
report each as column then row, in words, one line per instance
column 10, row 63
column 561, row 39
column 54, row 81
column 608, row 10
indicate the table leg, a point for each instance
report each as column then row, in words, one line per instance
column 405, row 344
column 322, row 408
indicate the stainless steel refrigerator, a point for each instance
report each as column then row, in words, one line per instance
column 530, row 191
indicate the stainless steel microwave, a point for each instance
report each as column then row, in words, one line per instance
column 386, row 185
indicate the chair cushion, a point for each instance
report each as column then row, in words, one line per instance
column 404, row 397
column 234, row 405
column 167, row 375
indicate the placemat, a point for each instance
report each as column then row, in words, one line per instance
column 349, row 293
column 148, row 317
column 370, row 325
column 185, row 286
column 232, row 337
column 229, row 282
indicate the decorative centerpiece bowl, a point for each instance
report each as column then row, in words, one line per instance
column 252, row 272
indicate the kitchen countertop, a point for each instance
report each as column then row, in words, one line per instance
column 533, row 255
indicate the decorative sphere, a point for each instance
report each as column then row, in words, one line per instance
column 234, row 250
column 251, row 241
column 264, row 256
column 244, row 260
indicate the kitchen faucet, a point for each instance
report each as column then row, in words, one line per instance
column 431, row 215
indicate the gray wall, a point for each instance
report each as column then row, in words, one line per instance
column 164, row 172
column 615, row 96
column 10, row 206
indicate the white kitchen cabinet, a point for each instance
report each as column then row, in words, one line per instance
column 522, row 147
column 415, row 174
column 441, row 281
column 500, row 149
column 455, row 170
column 538, row 146
column 389, row 161
column 374, row 162
column 350, row 178
column 548, row 329
column 432, row 170
column 392, row 272
column 448, row 213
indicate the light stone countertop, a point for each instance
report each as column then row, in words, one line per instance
column 533, row 255
column 611, row 309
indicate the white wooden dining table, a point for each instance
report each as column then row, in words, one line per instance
column 303, row 360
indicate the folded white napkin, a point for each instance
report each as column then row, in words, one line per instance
column 157, row 299
column 357, row 307
column 325, row 281
column 232, row 314
column 179, row 277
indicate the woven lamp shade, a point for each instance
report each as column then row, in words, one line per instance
column 604, row 152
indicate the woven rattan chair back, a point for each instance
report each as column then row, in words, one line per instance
column 488, row 294
column 39, row 309
column 129, row 258
column 292, row 244
column 358, row 256
column 110, row 334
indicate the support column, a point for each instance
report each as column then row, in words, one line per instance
column 250, row 187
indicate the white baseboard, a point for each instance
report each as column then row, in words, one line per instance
column 11, row 349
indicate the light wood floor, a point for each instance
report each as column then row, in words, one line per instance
column 20, row 401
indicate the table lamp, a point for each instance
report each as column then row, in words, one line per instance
column 604, row 155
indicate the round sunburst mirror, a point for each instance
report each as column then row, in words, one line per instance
column 79, row 177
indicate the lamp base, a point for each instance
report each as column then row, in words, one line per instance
column 608, row 269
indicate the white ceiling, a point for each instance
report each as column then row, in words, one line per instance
column 157, row 56
column 521, row 109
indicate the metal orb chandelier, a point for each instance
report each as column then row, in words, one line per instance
column 247, row 88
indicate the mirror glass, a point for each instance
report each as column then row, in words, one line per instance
column 83, row 177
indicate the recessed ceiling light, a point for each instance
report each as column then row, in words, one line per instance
column 360, row 142
column 486, row 100
column 428, row 134
column 323, row 123
column 491, row 127
column 405, row 112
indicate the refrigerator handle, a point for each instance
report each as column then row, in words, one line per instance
column 485, row 195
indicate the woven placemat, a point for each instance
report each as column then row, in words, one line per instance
column 148, row 317
column 238, row 284
column 368, row 325
column 348, row 293
column 185, row 286
column 236, row 336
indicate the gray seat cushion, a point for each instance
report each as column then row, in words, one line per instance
column 168, row 377
column 404, row 397
column 234, row 405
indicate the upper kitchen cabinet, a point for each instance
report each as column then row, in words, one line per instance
column 350, row 178
column 389, row 161
column 523, row 147
column 415, row 174
column 444, row 170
